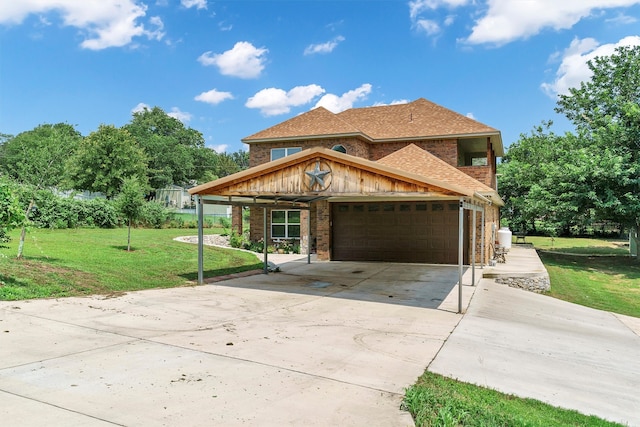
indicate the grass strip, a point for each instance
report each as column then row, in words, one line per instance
column 439, row 401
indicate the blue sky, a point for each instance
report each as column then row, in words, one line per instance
column 232, row 68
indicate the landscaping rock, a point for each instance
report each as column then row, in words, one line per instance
column 537, row 284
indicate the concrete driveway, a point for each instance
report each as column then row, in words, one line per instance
column 540, row 347
column 320, row 344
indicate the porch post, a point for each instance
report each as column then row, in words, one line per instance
column 265, row 237
column 473, row 252
column 309, row 234
column 199, row 207
column 483, row 238
column 460, row 253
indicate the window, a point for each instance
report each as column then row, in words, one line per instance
column 285, row 224
column 278, row 153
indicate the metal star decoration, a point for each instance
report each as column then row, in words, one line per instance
column 316, row 176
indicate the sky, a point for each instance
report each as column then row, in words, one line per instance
column 232, row 68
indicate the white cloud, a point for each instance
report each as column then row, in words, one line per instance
column 323, row 47
column 622, row 19
column 198, row 4
column 244, row 60
column 418, row 7
column 103, row 23
column 394, row 102
column 140, row 108
column 471, row 116
column 273, row 101
column 573, row 69
column 183, row 116
column 337, row 104
column 220, row 148
column 213, row 96
column 509, row 20
column 428, row 26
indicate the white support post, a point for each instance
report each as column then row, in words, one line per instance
column 483, row 239
column 309, row 235
column 199, row 207
column 460, row 253
column 265, row 237
column 473, row 251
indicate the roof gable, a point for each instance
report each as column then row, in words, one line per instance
column 415, row 160
column 350, row 176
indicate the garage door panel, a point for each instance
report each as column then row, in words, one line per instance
column 407, row 232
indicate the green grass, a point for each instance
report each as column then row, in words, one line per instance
column 596, row 273
column 61, row 263
column 581, row 245
column 605, row 283
column 439, row 401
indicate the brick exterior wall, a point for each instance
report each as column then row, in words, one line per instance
column 491, row 217
column 481, row 173
column 444, row 149
column 261, row 153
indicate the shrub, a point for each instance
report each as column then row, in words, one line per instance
column 154, row 215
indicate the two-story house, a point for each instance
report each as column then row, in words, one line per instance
column 401, row 183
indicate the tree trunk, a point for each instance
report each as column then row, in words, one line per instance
column 23, row 233
column 129, row 237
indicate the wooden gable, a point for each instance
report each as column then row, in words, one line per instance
column 323, row 172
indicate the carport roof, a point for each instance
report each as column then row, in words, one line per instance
column 437, row 180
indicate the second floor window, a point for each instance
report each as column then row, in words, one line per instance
column 278, row 153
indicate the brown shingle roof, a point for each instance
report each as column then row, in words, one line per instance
column 420, row 118
column 318, row 121
column 414, row 159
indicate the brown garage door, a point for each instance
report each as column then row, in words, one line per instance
column 425, row 232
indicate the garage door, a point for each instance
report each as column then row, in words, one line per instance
column 425, row 232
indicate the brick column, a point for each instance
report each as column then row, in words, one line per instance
column 236, row 219
column 323, row 231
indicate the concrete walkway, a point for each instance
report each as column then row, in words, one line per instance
column 536, row 346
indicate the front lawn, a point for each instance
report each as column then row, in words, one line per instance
column 61, row 263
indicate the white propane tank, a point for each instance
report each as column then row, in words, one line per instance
column 504, row 237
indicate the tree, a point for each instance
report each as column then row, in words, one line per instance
column 545, row 182
column 606, row 113
column 36, row 159
column 171, row 148
column 130, row 203
column 104, row 160
column 11, row 213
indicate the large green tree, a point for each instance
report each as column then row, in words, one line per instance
column 545, row 181
column 606, row 113
column 172, row 149
column 105, row 159
column 36, row 158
